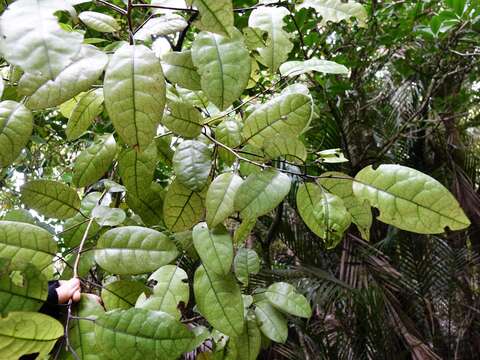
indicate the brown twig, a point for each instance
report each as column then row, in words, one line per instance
column 111, row 6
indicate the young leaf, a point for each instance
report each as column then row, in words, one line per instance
column 272, row 323
column 134, row 90
column 94, row 162
column 409, row 199
column 284, row 297
column 261, row 193
column 22, row 287
column 47, row 51
column 325, row 214
column 16, row 125
column 278, row 46
column 183, row 119
column 220, row 198
column 295, row 68
column 24, row 333
column 183, row 208
column 134, row 250
column 224, row 66
column 336, row 10
column 214, row 247
column 285, row 115
column 192, row 163
column 219, row 300
column 83, row 113
column 141, row 334
column 170, row 291
column 359, row 210
column 246, row 262
column 51, row 198
column 99, row 22
column 136, row 169
column 179, row 69
column 122, row 294
column 215, row 15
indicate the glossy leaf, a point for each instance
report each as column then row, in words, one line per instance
column 48, row 51
column 22, row 287
column 224, row 66
column 183, row 119
column 324, row 213
column 24, row 333
column 342, row 185
column 215, row 15
column 409, row 199
column 134, row 90
column 88, row 107
column 215, row 248
column 171, row 290
column 179, row 69
column 134, row 250
column 136, row 169
column 99, row 22
column 336, row 10
column 220, row 197
column 16, row 125
column 261, row 192
column 295, row 68
column 229, row 132
column 122, row 294
column 278, row 45
column 50, row 198
column 272, row 323
column 219, row 300
column 192, row 163
column 285, row 115
column 107, row 216
column 284, row 297
column 246, row 262
column 94, row 162
column 140, row 334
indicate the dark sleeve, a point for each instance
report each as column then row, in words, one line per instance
column 50, row 306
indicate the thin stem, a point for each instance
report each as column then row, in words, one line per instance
column 112, row 6
column 163, row 7
column 80, row 248
column 129, row 21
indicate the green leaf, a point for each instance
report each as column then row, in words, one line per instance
column 74, row 229
column 99, row 22
column 295, row 68
column 224, row 66
column 161, row 26
column 249, row 343
column 219, row 300
column 214, row 247
column 20, row 215
column 255, row 38
column 122, row 294
column 272, row 323
column 278, row 45
column 261, row 192
column 82, row 334
column 284, row 297
column 192, row 163
column 331, row 156
column 148, row 205
column 134, row 250
column 107, row 216
column 286, row 114
column 140, row 334
column 24, row 333
column 179, row 69
column 88, row 107
column 136, row 169
column 134, row 90
column 170, row 291
column 229, row 132
column 22, row 287
column 51, row 198
column 47, row 51
column 94, row 162
column 409, row 199
column 164, row 150
column 220, row 197
column 246, row 262
column 341, row 185
column 183, row 119
column 336, row 10
column 16, row 125
column 182, row 208
column 324, row 213
column 243, row 230
column 291, row 148
column 78, row 76
column 215, row 15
